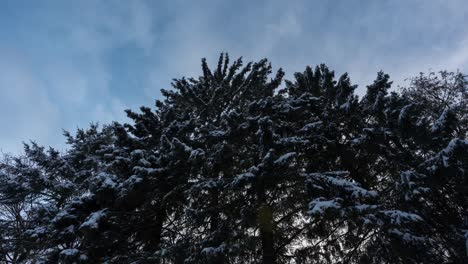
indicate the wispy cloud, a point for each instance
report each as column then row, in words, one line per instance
column 26, row 110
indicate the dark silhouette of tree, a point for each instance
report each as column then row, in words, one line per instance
column 232, row 167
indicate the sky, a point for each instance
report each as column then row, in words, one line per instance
column 65, row 64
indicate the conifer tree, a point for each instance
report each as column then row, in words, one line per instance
column 232, row 167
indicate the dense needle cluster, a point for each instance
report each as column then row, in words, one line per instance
column 231, row 167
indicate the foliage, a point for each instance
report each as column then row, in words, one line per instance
column 233, row 168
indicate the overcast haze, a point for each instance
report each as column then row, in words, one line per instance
column 64, row 64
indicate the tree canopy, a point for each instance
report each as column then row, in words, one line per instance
column 233, row 167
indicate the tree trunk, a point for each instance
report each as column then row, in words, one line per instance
column 266, row 234
column 214, row 221
column 265, row 221
column 153, row 233
column 214, row 226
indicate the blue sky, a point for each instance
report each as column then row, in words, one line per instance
column 64, row 64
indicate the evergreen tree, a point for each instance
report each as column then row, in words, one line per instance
column 230, row 167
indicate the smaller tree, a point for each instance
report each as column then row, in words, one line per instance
column 443, row 98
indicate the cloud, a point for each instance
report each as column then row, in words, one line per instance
column 458, row 59
column 101, row 26
column 105, row 114
column 69, row 85
column 65, row 78
column 25, row 107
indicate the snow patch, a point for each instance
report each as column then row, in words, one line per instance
column 311, row 126
column 284, row 158
column 106, row 179
column 93, row 219
column 69, row 252
column 319, row 205
column 209, row 251
column 398, row 217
